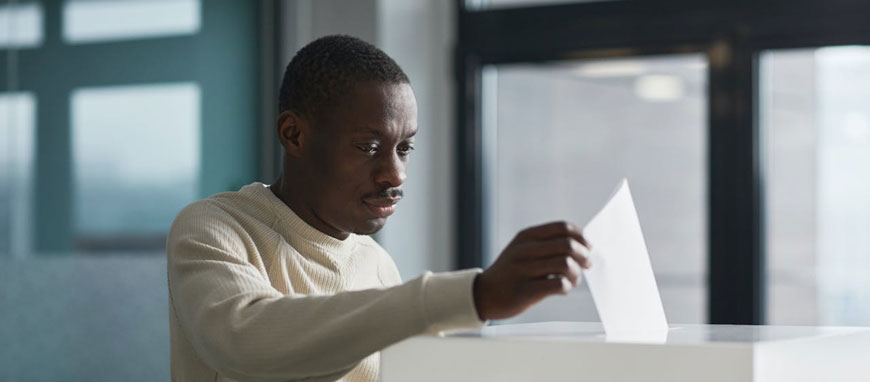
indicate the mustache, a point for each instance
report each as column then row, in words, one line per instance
column 389, row 193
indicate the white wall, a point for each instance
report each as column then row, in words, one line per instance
column 418, row 34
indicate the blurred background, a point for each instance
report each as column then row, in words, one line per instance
column 743, row 128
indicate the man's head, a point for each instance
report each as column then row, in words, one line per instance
column 348, row 117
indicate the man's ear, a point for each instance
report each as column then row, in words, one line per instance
column 293, row 131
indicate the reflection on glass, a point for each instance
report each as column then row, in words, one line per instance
column 108, row 20
column 135, row 161
column 20, row 25
column 816, row 118
column 17, row 118
column 563, row 136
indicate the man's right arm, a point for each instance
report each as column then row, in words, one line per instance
column 245, row 329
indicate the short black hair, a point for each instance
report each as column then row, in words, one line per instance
column 327, row 68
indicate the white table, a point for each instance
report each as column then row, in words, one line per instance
column 576, row 351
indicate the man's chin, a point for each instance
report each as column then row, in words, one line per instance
column 371, row 226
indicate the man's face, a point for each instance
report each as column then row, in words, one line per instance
column 357, row 155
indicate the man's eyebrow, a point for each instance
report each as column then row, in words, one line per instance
column 368, row 132
column 377, row 133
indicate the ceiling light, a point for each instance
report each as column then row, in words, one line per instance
column 659, row 88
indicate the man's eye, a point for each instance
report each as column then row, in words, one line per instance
column 369, row 149
column 404, row 150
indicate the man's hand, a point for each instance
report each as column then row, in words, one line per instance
column 540, row 261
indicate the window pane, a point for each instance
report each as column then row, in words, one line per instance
column 136, row 162
column 565, row 134
column 816, row 117
column 17, row 117
column 107, row 20
column 20, row 25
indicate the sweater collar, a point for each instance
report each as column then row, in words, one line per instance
column 298, row 226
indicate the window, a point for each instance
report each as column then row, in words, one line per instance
column 108, row 20
column 815, row 115
column 781, row 175
column 20, row 25
column 566, row 133
column 135, row 162
column 17, row 120
column 134, row 119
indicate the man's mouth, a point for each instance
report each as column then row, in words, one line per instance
column 382, row 207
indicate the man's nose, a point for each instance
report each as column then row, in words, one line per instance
column 391, row 171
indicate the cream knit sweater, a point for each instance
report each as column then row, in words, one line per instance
column 256, row 294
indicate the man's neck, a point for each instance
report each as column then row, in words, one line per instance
column 304, row 211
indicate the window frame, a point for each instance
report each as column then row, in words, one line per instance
column 230, row 106
column 730, row 33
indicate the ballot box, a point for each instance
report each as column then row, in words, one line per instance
column 575, row 351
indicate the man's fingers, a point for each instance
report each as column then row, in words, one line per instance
column 551, row 231
column 535, row 250
column 541, row 288
column 563, row 266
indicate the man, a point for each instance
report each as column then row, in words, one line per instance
column 281, row 282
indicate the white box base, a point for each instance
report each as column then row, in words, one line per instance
column 574, row 351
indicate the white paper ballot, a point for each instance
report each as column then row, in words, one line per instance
column 621, row 278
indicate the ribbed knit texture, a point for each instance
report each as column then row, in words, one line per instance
column 257, row 294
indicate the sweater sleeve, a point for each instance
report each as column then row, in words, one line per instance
column 245, row 329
